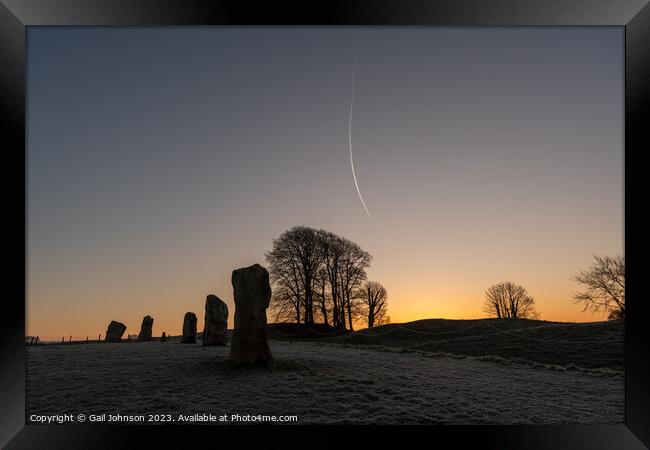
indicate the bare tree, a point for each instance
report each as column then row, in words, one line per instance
column 604, row 283
column 296, row 256
column 316, row 275
column 509, row 301
column 286, row 304
column 321, row 293
column 288, row 301
column 333, row 247
column 352, row 274
column 375, row 302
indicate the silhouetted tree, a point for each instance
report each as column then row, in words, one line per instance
column 509, row 301
column 287, row 301
column 352, row 274
column 604, row 281
column 286, row 305
column 333, row 247
column 322, row 295
column 316, row 273
column 375, row 300
column 297, row 254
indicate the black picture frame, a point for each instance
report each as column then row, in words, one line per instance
column 633, row 15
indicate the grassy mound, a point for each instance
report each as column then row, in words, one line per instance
column 589, row 345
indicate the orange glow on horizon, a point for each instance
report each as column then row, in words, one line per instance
column 148, row 181
column 170, row 319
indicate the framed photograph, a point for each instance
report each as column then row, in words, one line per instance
column 350, row 217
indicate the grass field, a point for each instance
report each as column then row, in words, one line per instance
column 425, row 372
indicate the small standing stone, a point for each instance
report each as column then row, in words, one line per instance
column 146, row 329
column 252, row 293
column 163, row 338
column 189, row 328
column 216, row 321
column 115, row 331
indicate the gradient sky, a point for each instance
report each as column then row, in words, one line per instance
column 160, row 159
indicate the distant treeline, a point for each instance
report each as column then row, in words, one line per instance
column 318, row 276
column 603, row 291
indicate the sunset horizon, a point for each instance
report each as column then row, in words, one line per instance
column 448, row 307
column 142, row 199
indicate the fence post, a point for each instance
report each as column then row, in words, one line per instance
column 86, row 339
column 62, row 340
column 31, row 341
column 99, row 338
column 70, row 340
column 36, row 343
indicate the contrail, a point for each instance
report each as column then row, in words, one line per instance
column 354, row 175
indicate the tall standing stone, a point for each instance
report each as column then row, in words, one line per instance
column 146, row 329
column 252, row 293
column 115, row 331
column 189, row 328
column 216, row 321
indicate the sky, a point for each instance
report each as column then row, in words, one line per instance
column 160, row 159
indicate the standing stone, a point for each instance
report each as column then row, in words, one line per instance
column 189, row 328
column 216, row 321
column 163, row 338
column 115, row 331
column 252, row 293
column 146, row 329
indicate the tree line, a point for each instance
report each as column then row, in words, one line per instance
column 320, row 277
column 604, row 291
